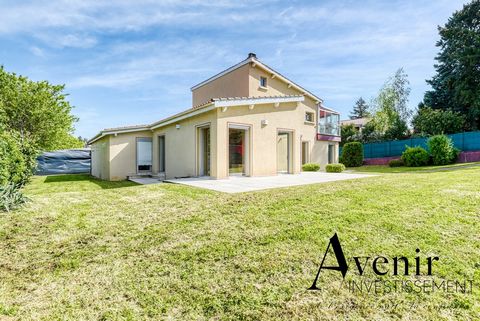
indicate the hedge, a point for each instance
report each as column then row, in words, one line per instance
column 334, row 168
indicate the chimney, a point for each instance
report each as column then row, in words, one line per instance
column 252, row 55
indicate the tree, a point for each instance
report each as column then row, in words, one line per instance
column 391, row 109
column 37, row 111
column 360, row 110
column 348, row 133
column 428, row 121
column 456, row 85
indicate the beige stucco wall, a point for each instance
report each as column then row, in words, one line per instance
column 181, row 147
column 233, row 84
column 263, row 155
column 123, row 154
column 100, row 158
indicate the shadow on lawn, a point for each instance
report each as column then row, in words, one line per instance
column 87, row 178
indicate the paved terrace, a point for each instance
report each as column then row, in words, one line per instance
column 239, row 184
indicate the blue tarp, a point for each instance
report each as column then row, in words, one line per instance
column 67, row 161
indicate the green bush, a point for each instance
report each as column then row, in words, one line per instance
column 442, row 150
column 13, row 166
column 11, row 197
column 352, row 154
column 415, row 156
column 430, row 121
column 310, row 167
column 396, row 163
column 334, row 168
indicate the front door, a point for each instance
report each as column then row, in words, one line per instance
column 283, row 152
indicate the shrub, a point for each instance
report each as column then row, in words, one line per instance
column 352, row 154
column 11, row 197
column 395, row 163
column 13, row 167
column 310, row 167
column 442, row 150
column 415, row 156
column 334, row 168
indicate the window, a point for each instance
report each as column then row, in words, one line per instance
column 263, row 82
column 309, row 117
column 144, row 154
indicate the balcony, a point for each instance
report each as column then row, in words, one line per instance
column 328, row 126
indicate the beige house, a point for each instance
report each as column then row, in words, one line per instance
column 358, row 123
column 247, row 120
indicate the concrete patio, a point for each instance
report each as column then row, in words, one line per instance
column 239, row 184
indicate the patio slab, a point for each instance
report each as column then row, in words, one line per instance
column 239, row 184
column 145, row 180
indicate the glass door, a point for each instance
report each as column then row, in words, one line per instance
column 236, row 151
column 205, row 137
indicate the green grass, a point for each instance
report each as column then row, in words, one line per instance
column 405, row 169
column 83, row 249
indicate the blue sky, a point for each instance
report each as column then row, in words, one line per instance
column 133, row 62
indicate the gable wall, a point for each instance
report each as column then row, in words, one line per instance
column 233, row 84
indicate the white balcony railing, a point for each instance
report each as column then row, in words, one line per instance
column 328, row 123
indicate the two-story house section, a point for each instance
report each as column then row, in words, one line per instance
column 246, row 120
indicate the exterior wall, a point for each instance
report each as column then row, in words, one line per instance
column 319, row 153
column 263, row 139
column 123, row 154
column 100, row 158
column 181, row 147
column 233, row 84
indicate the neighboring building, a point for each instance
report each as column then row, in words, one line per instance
column 247, row 120
column 358, row 123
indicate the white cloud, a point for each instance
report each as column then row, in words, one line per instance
column 37, row 51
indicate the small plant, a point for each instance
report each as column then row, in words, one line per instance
column 352, row 154
column 442, row 150
column 11, row 197
column 415, row 157
column 334, row 168
column 310, row 167
column 396, row 163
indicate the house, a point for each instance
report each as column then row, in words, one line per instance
column 246, row 120
column 358, row 123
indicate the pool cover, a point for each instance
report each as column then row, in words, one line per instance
column 67, row 161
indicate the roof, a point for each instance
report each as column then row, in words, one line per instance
column 357, row 121
column 126, row 127
column 254, row 61
column 213, row 104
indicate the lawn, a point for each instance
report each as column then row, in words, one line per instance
column 404, row 169
column 86, row 249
